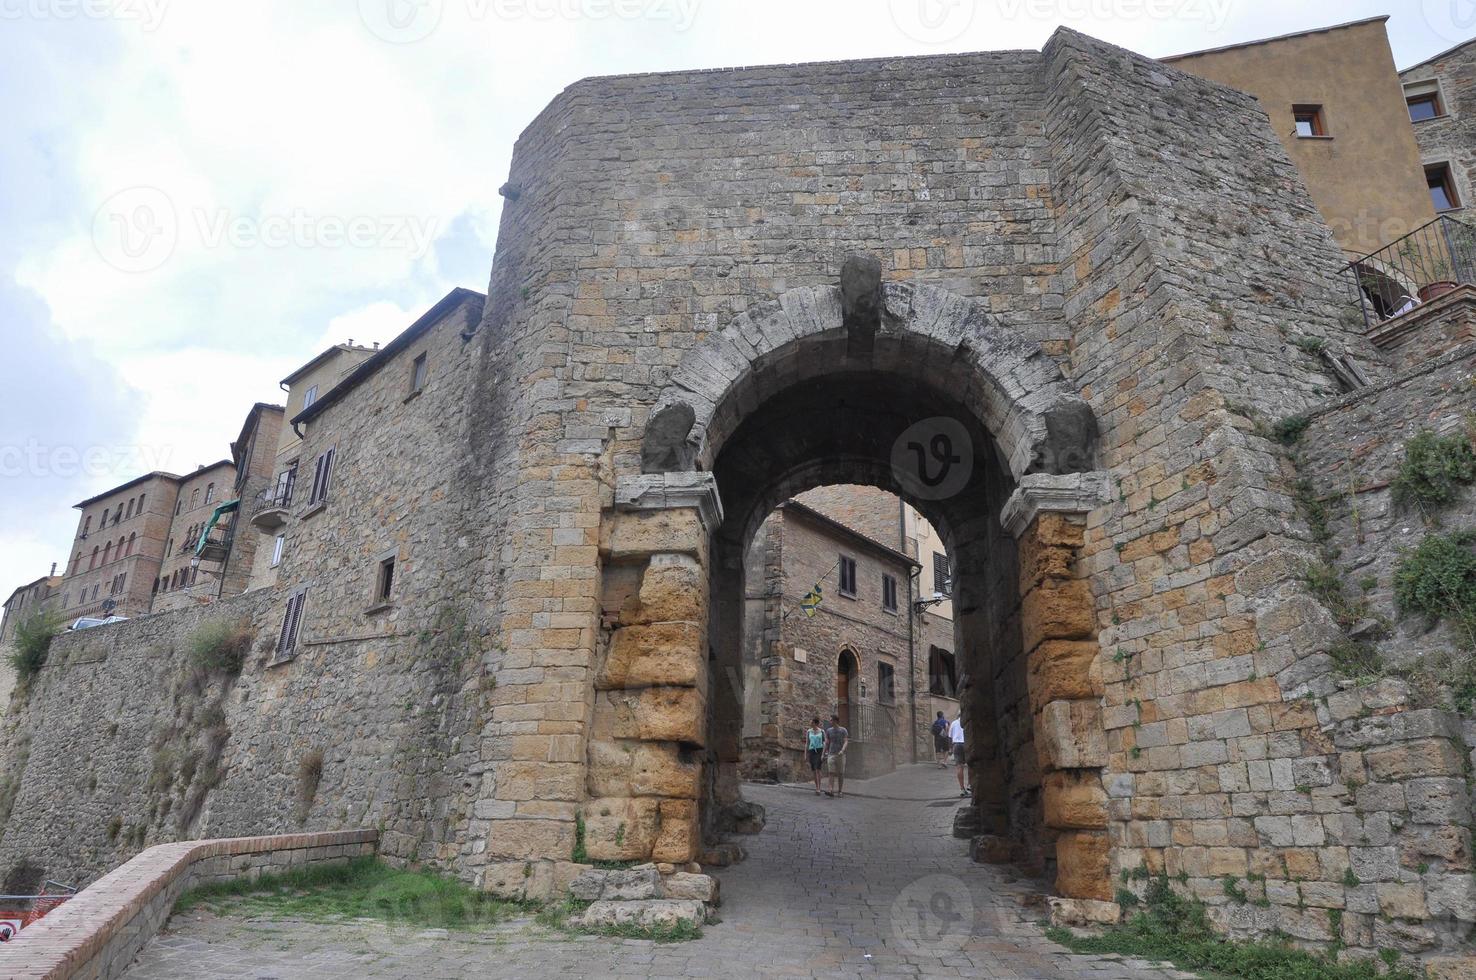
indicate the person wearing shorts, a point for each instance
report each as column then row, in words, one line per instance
column 815, row 750
column 836, row 740
column 956, row 738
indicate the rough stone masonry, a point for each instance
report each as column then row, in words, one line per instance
column 1091, row 265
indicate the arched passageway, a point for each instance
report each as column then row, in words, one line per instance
column 915, row 391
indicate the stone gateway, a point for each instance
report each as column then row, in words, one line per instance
column 1090, row 284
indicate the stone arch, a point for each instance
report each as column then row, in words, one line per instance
column 1019, row 394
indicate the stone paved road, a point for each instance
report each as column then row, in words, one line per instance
column 870, row 885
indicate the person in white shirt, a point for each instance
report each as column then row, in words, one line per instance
column 956, row 736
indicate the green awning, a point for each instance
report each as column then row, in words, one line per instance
column 215, row 517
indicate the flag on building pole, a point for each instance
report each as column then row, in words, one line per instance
column 811, row 601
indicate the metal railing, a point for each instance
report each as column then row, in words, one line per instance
column 278, row 496
column 1423, row 265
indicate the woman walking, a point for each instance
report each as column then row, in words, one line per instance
column 815, row 750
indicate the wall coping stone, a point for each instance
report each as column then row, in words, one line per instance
column 1074, row 493
column 1396, row 330
column 672, row 491
column 66, row 941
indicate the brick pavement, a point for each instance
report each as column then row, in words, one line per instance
column 869, row 885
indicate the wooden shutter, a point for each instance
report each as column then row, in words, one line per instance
column 291, row 621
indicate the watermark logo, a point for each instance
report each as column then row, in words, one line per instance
column 139, row 229
column 1212, row 13
column 148, row 14
column 1454, row 20
column 401, row 21
column 36, row 459
column 408, row 21
column 933, row 21
column 136, row 230
column 933, row 459
column 933, row 915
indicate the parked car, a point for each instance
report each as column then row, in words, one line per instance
column 87, row 622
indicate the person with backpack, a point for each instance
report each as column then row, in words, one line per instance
column 940, row 741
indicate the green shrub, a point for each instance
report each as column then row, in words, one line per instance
column 1433, row 469
column 1290, row 429
column 33, row 637
column 1438, row 580
column 220, row 647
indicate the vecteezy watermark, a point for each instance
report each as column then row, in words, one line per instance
column 37, row 459
column 1454, row 20
column 933, row 915
column 138, row 229
column 933, row 459
column 408, row 21
column 1212, row 13
column 148, row 13
column 933, row 21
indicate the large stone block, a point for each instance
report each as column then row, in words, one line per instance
column 655, row 654
column 1064, row 670
column 1069, row 735
column 673, row 588
column 655, row 912
column 1048, row 550
column 1057, row 610
column 618, row 829
column 1074, row 800
column 530, row 839
column 1083, row 866
column 631, row 534
column 680, row 837
column 1423, row 757
column 657, row 714
column 633, row 768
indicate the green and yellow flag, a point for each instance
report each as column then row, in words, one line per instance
column 812, row 599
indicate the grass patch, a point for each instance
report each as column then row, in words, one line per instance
column 360, row 889
column 1176, row 929
column 1289, row 430
column 1434, row 469
column 220, row 647
column 33, row 637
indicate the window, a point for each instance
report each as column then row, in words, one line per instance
column 194, row 498
column 291, row 626
column 76, row 565
column 104, row 521
column 209, row 494
column 130, row 507
column 942, row 673
column 86, row 525
column 889, row 593
column 417, row 374
column 108, row 552
column 1309, row 121
column 93, row 562
column 322, row 478
column 178, row 506
column 1423, row 99
column 141, row 502
column 310, row 396
column 384, row 582
column 848, row 576
column 886, row 684
column 94, row 591
column 156, row 587
column 942, row 574
column 1442, row 187
column 277, row 547
column 132, row 538
column 286, row 480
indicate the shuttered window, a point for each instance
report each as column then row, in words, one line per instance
column 322, row 478
column 291, row 625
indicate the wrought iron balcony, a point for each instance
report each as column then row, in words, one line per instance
column 272, row 506
column 215, row 545
column 1421, row 267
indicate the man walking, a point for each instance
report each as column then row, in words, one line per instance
column 956, row 737
column 941, row 745
column 837, row 739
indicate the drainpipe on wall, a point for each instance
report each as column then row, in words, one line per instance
column 911, row 641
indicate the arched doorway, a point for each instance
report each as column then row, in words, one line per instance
column 916, row 391
column 847, row 686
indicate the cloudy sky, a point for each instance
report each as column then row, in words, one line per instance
column 199, row 196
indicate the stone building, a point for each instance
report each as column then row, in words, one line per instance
column 120, row 547
column 508, row 625
column 1441, row 96
column 864, row 651
column 180, row 583
column 1334, row 98
column 40, row 597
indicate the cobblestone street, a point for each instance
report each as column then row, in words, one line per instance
column 871, row 884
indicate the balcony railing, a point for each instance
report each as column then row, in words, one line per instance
column 215, row 545
column 271, row 506
column 1422, row 266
